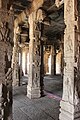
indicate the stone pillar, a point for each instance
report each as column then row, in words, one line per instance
column 27, row 51
column 46, row 57
column 33, row 88
column 15, row 59
column 70, row 103
column 26, row 62
column 62, row 57
column 42, row 70
column 6, row 44
column 20, row 63
column 52, row 60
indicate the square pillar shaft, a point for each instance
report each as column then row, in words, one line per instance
column 15, row 60
column 33, row 88
column 70, row 103
column 52, row 60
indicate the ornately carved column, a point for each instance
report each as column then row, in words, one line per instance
column 70, row 103
column 33, row 88
column 6, row 44
column 15, row 59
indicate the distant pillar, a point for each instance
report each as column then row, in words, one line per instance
column 20, row 57
column 52, row 60
column 62, row 57
column 42, row 71
column 26, row 61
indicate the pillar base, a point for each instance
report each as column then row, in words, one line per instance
column 67, row 111
column 33, row 93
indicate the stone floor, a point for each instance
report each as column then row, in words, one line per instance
column 45, row 108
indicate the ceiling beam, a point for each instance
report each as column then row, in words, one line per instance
column 19, row 5
column 34, row 6
column 54, row 7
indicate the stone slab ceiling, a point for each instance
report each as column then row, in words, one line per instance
column 56, row 15
column 20, row 5
column 57, row 26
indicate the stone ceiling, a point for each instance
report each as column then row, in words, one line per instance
column 56, row 28
column 21, row 5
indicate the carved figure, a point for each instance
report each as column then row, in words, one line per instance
column 37, row 26
column 59, row 2
column 4, row 32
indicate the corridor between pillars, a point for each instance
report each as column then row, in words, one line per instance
column 70, row 103
column 6, row 44
column 34, row 88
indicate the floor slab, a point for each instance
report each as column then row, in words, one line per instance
column 44, row 108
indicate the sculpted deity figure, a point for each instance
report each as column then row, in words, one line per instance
column 4, row 32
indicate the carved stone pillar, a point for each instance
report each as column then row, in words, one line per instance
column 20, row 63
column 70, row 103
column 62, row 57
column 6, row 44
column 15, row 60
column 52, row 60
column 26, row 61
column 42, row 70
column 33, row 88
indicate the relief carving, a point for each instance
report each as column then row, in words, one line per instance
column 41, row 14
column 59, row 2
column 4, row 32
column 37, row 55
column 69, row 44
column 77, row 78
column 36, row 26
column 69, row 6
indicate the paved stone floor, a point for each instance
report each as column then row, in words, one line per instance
column 45, row 108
